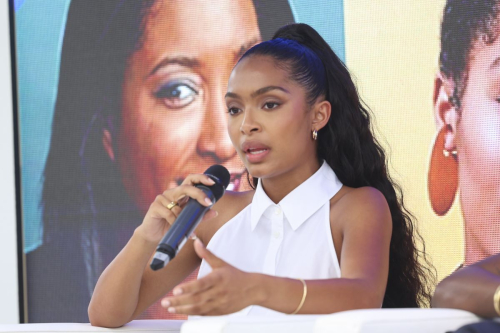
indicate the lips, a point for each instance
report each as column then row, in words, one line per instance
column 234, row 181
column 253, row 147
column 255, row 152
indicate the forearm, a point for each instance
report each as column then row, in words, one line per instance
column 470, row 289
column 323, row 296
column 116, row 294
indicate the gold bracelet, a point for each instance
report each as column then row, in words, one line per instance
column 496, row 300
column 304, row 294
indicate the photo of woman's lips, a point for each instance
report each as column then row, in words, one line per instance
column 234, row 182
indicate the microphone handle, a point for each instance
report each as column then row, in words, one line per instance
column 184, row 225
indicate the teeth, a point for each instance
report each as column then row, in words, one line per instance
column 257, row 151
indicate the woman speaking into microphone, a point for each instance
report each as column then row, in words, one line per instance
column 323, row 230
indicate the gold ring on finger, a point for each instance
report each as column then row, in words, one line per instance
column 172, row 205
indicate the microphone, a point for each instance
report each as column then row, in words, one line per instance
column 190, row 217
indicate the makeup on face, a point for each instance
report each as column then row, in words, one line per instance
column 173, row 119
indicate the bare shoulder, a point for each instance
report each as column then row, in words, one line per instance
column 359, row 205
column 227, row 207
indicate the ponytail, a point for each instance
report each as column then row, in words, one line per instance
column 347, row 144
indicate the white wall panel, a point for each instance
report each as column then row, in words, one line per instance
column 9, row 299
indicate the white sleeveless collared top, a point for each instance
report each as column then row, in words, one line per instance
column 290, row 239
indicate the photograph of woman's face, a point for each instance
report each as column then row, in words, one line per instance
column 478, row 144
column 174, row 118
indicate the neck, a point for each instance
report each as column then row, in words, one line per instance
column 476, row 250
column 481, row 225
column 278, row 187
column 480, row 242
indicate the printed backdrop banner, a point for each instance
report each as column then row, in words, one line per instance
column 117, row 102
column 117, row 105
column 392, row 47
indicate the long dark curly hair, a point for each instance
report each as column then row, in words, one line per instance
column 347, row 144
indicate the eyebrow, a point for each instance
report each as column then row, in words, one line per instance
column 245, row 47
column 182, row 61
column 258, row 92
column 194, row 63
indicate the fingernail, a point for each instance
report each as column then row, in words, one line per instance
column 171, row 310
column 165, row 303
column 211, row 181
column 177, row 291
column 208, row 201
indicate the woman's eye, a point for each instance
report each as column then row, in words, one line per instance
column 233, row 111
column 176, row 95
column 270, row 105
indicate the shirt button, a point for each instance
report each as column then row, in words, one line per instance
column 277, row 235
column 277, row 211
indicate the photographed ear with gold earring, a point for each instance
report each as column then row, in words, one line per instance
column 315, row 135
column 442, row 180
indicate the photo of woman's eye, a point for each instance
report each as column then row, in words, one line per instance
column 176, row 95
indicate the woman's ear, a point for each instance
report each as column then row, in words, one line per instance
column 445, row 111
column 442, row 179
column 107, row 142
column 321, row 114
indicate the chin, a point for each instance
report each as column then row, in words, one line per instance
column 260, row 170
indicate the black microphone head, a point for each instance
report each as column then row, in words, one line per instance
column 221, row 177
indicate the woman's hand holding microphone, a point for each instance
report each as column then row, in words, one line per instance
column 127, row 286
column 167, row 206
column 226, row 289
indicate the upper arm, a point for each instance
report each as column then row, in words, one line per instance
column 364, row 221
column 488, row 268
column 470, row 288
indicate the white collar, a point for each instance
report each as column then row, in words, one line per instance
column 302, row 202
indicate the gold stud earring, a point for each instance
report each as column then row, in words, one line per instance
column 315, row 135
column 447, row 153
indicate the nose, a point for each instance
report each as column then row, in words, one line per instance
column 249, row 124
column 214, row 141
